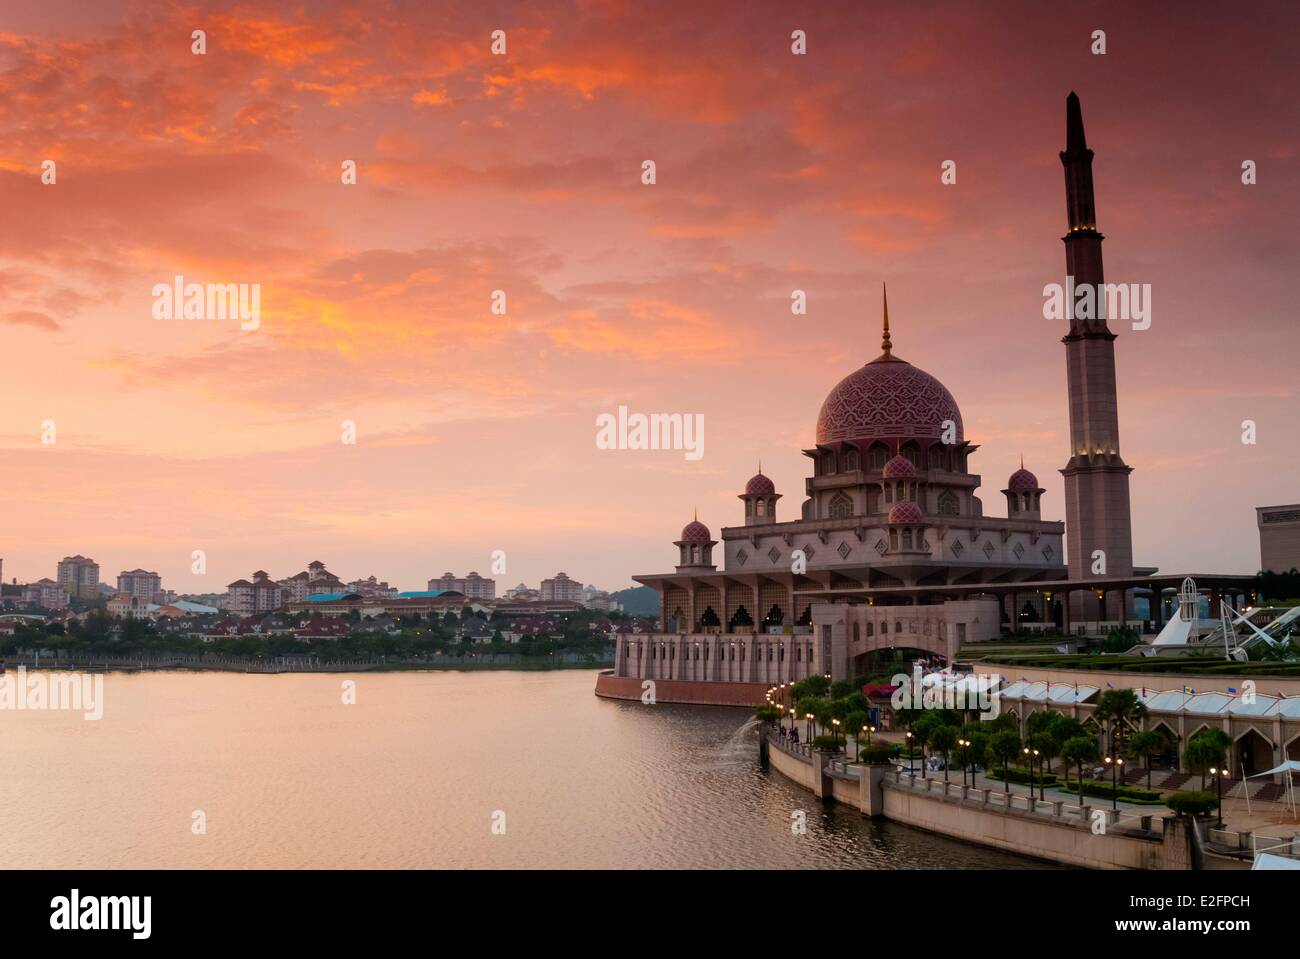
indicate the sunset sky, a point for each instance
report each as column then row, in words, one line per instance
column 521, row 172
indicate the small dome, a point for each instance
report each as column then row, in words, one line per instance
column 696, row 532
column 900, row 467
column 759, row 485
column 1022, row 481
column 906, row 512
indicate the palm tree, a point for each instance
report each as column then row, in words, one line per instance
column 1004, row 745
column 942, row 739
column 1144, row 745
column 1206, row 750
column 1119, row 708
column 1080, row 750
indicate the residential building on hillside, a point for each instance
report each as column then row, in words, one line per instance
column 474, row 586
column 144, row 585
column 79, row 576
column 260, row 596
column 561, row 588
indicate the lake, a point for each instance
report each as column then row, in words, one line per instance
column 427, row 769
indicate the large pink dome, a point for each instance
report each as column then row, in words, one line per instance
column 759, row 485
column 888, row 398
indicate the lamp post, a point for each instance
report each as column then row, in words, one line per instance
column 1029, row 762
column 835, row 734
column 963, row 745
column 807, row 726
column 909, row 752
column 1217, row 775
column 1114, row 762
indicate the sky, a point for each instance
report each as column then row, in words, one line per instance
column 522, row 172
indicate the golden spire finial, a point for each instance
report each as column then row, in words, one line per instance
column 884, row 343
column 760, row 467
column 697, row 514
column 1022, row 460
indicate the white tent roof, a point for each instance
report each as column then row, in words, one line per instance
column 1288, row 765
column 1266, row 860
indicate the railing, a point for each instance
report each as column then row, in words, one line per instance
column 1021, row 804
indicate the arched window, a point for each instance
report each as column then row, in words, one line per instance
column 762, row 507
column 841, row 507
column 749, row 507
column 871, row 630
column 857, row 633
column 948, row 503
column 907, row 539
column 889, row 493
column 851, row 460
column 695, row 554
column 911, row 453
column 878, row 457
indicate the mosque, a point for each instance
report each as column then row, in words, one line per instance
column 891, row 547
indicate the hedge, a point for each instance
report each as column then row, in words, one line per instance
column 1021, row 776
column 1099, row 789
column 1194, row 803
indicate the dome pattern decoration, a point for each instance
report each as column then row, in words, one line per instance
column 696, row 532
column 759, row 485
column 888, row 398
column 906, row 512
column 1022, row 481
column 900, row 467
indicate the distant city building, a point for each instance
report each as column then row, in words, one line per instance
column 144, row 585
column 474, row 586
column 260, row 596
column 560, row 588
column 523, row 593
column 79, row 576
column 125, row 604
column 371, row 588
column 316, row 580
column 46, row 593
column 602, row 601
column 1279, row 537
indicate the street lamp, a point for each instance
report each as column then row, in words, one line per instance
column 1217, row 775
column 835, row 733
column 807, row 726
column 1114, row 763
column 963, row 744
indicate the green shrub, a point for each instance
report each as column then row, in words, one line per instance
column 828, row 743
column 1194, row 803
column 1021, row 776
column 1099, row 789
column 876, row 754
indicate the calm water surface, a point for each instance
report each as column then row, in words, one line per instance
column 411, row 776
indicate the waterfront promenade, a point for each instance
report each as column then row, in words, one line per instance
column 1092, row 836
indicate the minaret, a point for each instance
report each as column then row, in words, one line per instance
column 1096, row 477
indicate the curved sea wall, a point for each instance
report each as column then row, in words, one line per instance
column 685, row 691
column 1052, row 830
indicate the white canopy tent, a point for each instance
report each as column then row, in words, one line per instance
column 1289, row 767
